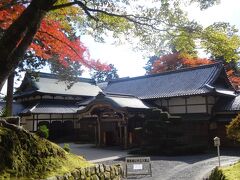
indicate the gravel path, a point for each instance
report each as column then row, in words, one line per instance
column 194, row 167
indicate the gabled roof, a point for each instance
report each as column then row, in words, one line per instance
column 49, row 84
column 116, row 101
column 183, row 82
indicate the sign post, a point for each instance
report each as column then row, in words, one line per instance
column 217, row 144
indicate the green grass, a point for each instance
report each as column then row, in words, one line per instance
column 232, row 172
column 27, row 156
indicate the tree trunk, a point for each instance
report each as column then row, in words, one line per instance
column 19, row 36
column 9, row 101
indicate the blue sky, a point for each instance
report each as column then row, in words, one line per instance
column 130, row 63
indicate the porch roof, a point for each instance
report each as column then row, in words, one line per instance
column 116, row 101
column 50, row 107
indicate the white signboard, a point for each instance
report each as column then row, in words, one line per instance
column 137, row 166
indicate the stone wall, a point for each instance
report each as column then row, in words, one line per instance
column 97, row 172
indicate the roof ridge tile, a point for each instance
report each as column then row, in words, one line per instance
column 217, row 64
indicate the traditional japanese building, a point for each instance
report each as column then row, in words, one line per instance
column 202, row 97
column 48, row 101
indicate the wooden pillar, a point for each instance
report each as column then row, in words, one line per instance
column 125, row 137
column 95, row 134
column 33, row 122
column 125, row 132
column 120, row 134
column 99, row 130
column 206, row 101
column 37, row 121
column 50, row 116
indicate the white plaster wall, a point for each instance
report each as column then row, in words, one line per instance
column 196, row 109
column 177, row 109
column 59, row 116
column 196, row 100
column 68, row 116
column 177, row 101
column 43, row 116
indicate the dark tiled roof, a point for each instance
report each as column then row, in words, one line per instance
column 53, row 107
column 183, row 82
column 49, row 84
column 228, row 104
column 117, row 101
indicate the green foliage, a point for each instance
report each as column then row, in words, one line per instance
column 221, row 40
column 3, row 112
column 69, row 74
column 149, row 65
column 66, row 147
column 43, row 131
column 217, row 174
column 233, row 129
column 102, row 76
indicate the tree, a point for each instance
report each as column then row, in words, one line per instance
column 149, row 65
column 28, row 24
column 47, row 42
column 174, row 61
column 102, row 76
column 233, row 129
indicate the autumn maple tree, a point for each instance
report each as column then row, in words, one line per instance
column 29, row 22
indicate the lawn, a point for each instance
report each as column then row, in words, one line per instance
column 232, row 172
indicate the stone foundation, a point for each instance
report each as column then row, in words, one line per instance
column 97, row 172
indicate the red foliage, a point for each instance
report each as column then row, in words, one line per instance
column 7, row 16
column 50, row 40
column 167, row 63
column 233, row 78
column 193, row 62
column 176, row 61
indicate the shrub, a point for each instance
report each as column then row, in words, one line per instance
column 43, row 131
column 66, row 147
column 216, row 174
column 233, row 129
